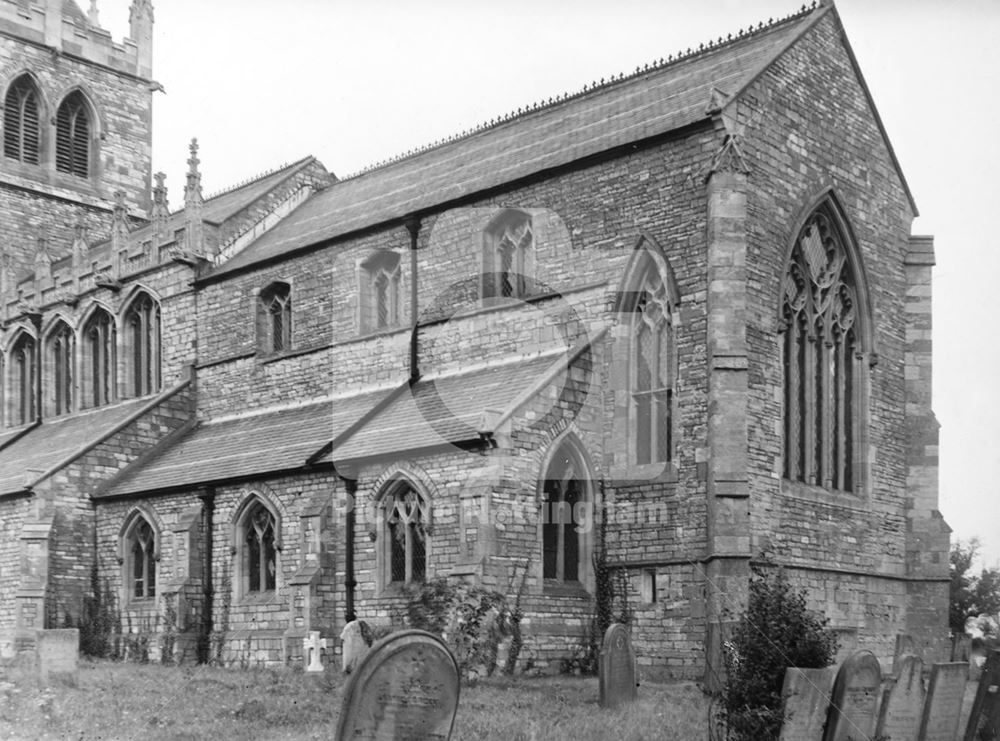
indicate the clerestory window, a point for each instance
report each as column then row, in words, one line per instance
column 508, row 256
column 142, row 345
column 274, row 318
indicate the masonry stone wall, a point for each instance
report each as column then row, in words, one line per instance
column 14, row 511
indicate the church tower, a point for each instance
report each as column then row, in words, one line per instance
column 76, row 124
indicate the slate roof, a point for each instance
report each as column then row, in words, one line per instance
column 272, row 440
column 647, row 104
column 57, row 440
column 441, row 410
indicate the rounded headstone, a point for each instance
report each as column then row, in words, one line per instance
column 855, row 695
column 405, row 688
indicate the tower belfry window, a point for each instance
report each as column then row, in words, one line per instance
column 73, row 136
column 21, row 131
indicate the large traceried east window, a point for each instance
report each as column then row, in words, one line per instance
column 259, row 558
column 652, row 372
column 822, row 357
column 60, row 368
column 21, row 116
column 508, row 256
column 73, row 136
column 406, row 520
column 142, row 345
column 99, row 359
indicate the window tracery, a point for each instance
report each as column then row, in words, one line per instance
column 507, row 256
column 406, row 519
column 653, row 374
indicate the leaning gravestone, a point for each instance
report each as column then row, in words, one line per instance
column 617, row 667
column 855, row 694
column 805, row 698
column 353, row 645
column 943, row 706
column 905, row 646
column 984, row 720
column 57, row 652
column 405, row 689
column 903, row 703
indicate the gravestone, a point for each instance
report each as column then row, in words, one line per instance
column 312, row 649
column 903, row 702
column 405, row 688
column 57, row 652
column 943, row 706
column 353, row 645
column 855, row 695
column 805, row 699
column 617, row 667
column 905, row 646
column 984, row 720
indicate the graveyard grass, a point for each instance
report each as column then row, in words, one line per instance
column 131, row 701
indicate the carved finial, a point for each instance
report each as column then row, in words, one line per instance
column 43, row 259
column 92, row 14
column 193, row 226
column 81, row 250
column 192, row 190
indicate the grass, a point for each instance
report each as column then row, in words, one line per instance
column 128, row 701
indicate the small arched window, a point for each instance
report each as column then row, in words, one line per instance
column 822, row 357
column 99, row 359
column 23, row 366
column 142, row 345
column 379, row 291
column 21, row 115
column 73, row 132
column 406, row 516
column 258, row 543
column 508, row 256
column 567, row 519
column 60, row 368
column 140, row 561
column 275, row 318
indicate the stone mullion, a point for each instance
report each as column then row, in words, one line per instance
column 841, row 433
column 809, row 408
column 827, row 412
column 793, row 423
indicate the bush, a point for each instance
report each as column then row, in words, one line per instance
column 775, row 632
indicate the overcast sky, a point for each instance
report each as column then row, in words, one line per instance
column 261, row 83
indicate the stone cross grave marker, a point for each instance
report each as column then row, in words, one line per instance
column 616, row 667
column 405, row 688
column 943, row 706
column 903, row 702
column 984, row 720
column 353, row 645
column 57, row 652
column 855, row 694
column 312, row 648
column 905, row 646
column 805, row 698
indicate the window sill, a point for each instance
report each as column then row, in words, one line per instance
column 259, row 598
column 400, row 589
column 813, row 493
column 138, row 603
column 639, row 473
column 556, row 588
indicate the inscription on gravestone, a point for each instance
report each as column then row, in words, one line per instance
column 57, row 651
column 406, row 688
column 984, row 721
column 805, row 698
column 855, row 694
column 617, row 667
column 903, row 703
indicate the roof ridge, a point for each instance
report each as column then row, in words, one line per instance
column 251, row 180
column 602, row 84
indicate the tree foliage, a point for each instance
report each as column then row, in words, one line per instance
column 970, row 594
column 776, row 631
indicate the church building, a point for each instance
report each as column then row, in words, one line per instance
column 674, row 323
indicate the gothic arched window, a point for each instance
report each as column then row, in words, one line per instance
column 653, row 372
column 21, row 115
column 275, row 318
column 140, row 562
column 406, row 519
column 567, row 519
column 822, row 355
column 60, row 362
column 99, row 354
column 259, row 559
column 73, row 136
column 22, row 369
column 142, row 345
column 508, row 254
